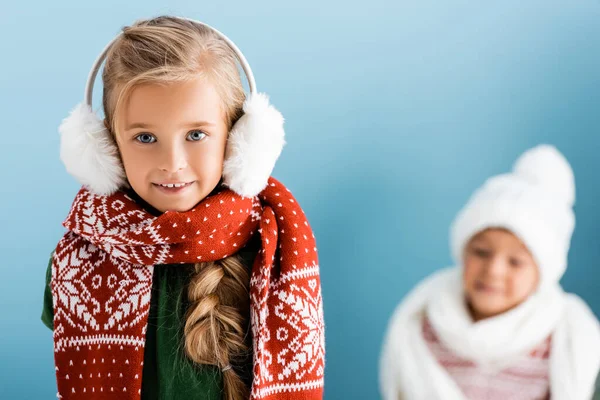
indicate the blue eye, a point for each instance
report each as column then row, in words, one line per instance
column 145, row 138
column 196, row 136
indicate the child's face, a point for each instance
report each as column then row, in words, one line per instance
column 499, row 273
column 173, row 134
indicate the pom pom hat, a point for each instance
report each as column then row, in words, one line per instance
column 535, row 202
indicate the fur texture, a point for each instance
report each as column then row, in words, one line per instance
column 253, row 147
column 89, row 153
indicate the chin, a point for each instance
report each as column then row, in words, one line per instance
column 177, row 203
column 182, row 206
column 176, row 209
column 490, row 310
column 486, row 306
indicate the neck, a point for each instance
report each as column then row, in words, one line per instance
column 143, row 203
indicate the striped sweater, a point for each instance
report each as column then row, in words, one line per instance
column 528, row 379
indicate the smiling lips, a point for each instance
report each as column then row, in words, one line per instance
column 172, row 187
column 482, row 287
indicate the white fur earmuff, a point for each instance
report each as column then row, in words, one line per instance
column 89, row 153
column 254, row 144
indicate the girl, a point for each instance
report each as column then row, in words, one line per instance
column 186, row 272
column 499, row 326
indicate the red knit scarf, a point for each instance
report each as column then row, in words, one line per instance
column 102, row 279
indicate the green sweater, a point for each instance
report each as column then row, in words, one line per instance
column 167, row 373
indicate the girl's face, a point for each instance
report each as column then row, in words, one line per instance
column 499, row 273
column 172, row 142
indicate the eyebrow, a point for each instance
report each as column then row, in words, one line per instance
column 522, row 250
column 142, row 125
column 479, row 240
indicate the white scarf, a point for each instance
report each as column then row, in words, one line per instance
column 409, row 371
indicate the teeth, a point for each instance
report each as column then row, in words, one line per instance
column 171, row 185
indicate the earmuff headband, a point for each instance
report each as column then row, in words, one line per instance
column 89, row 86
column 253, row 145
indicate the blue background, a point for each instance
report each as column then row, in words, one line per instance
column 396, row 112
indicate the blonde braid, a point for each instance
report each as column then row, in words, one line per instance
column 217, row 320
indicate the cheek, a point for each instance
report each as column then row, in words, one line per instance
column 472, row 270
column 136, row 163
column 208, row 160
column 522, row 284
column 128, row 157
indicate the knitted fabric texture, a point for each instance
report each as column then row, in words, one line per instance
column 534, row 201
column 102, row 279
column 410, row 369
column 528, row 379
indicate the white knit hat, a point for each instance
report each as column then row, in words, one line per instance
column 534, row 202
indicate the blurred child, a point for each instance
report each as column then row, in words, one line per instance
column 498, row 325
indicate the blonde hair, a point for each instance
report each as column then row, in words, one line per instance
column 165, row 50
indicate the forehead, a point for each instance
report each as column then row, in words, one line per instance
column 500, row 238
column 164, row 104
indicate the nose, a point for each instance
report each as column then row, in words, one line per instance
column 496, row 266
column 173, row 158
